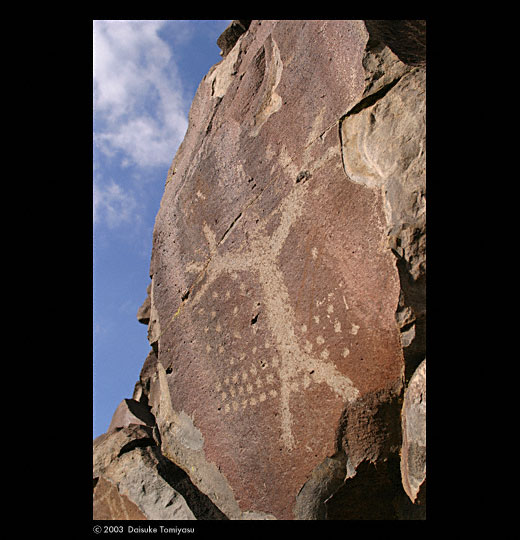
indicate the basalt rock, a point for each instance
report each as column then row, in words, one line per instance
column 229, row 37
column 287, row 299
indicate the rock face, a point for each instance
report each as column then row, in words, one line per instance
column 131, row 412
column 133, row 480
column 110, row 504
column 413, row 455
column 286, row 311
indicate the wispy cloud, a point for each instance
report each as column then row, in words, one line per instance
column 115, row 205
column 140, row 113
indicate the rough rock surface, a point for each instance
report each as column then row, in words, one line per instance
column 130, row 468
column 143, row 313
column 129, row 412
column 287, row 301
column 413, row 455
column 110, row 504
column 228, row 38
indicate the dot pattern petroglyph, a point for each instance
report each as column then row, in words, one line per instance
column 332, row 314
column 245, row 388
column 248, row 379
column 298, row 360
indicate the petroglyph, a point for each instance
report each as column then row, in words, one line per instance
column 239, row 396
column 272, row 101
column 294, row 360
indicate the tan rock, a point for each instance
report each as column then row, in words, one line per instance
column 141, row 478
column 413, row 454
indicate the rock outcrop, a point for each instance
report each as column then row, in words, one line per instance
column 413, row 454
column 286, row 311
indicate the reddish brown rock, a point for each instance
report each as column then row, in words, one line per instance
column 287, row 304
column 274, row 291
column 110, row 504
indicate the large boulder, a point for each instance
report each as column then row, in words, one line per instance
column 133, row 480
column 298, row 188
column 286, row 309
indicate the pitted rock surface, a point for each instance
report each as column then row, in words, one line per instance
column 287, row 300
column 274, row 288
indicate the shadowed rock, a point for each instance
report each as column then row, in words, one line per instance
column 143, row 313
column 129, row 412
column 229, row 37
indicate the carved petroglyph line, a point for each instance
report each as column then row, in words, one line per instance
column 272, row 100
column 260, row 258
column 286, row 162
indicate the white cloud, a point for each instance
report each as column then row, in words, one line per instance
column 138, row 96
column 114, row 205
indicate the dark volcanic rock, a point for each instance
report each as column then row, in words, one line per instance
column 229, row 37
column 406, row 38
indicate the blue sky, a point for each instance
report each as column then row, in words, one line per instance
column 146, row 74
